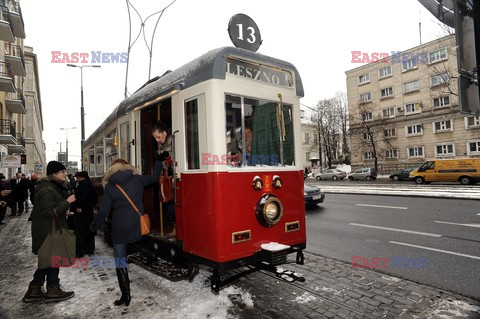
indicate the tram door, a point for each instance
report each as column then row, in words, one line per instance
column 149, row 116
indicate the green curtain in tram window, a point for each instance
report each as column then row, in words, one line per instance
column 288, row 146
column 265, row 141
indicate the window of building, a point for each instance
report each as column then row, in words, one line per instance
column 366, row 137
column 390, row 132
column 388, row 113
column 409, row 65
column 439, row 79
column 416, row 152
column 393, row 153
column 442, row 101
column 364, row 78
column 438, row 55
column 387, row 92
column 444, row 149
column 413, row 108
column 473, row 147
column 411, row 86
column 416, row 129
column 307, row 138
column 442, row 126
column 315, row 139
column 385, row 72
column 366, row 97
column 472, row 122
column 368, row 156
column 307, row 157
column 367, row 116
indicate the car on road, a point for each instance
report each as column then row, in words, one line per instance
column 313, row 195
column 334, row 174
column 402, row 175
column 367, row 173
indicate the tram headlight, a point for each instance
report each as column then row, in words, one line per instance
column 269, row 210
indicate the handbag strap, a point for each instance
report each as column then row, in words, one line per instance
column 128, row 198
column 53, row 222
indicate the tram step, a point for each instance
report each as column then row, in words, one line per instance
column 160, row 267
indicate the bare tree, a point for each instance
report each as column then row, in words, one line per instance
column 340, row 100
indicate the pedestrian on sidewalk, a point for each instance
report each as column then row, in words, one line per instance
column 4, row 197
column 51, row 197
column 19, row 194
column 31, row 187
column 86, row 200
column 125, row 220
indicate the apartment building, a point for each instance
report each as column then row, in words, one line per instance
column 405, row 109
column 20, row 110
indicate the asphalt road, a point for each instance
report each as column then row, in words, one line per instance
column 434, row 241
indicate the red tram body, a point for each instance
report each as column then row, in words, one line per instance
column 233, row 208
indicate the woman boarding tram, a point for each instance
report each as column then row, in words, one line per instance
column 234, row 206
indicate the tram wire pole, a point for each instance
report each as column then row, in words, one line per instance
column 82, row 110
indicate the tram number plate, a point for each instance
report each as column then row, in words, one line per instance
column 317, row 197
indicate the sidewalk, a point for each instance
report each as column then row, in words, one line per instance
column 332, row 290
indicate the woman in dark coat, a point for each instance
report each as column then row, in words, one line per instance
column 125, row 220
column 50, row 196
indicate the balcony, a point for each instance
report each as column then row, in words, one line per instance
column 15, row 102
column 16, row 18
column 6, row 33
column 14, row 56
column 7, row 132
column 18, row 148
column 6, row 78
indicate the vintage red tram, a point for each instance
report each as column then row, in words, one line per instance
column 235, row 119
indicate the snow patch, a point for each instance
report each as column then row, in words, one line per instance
column 306, row 297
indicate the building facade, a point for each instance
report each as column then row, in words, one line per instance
column 20, row 108
column 404, row 109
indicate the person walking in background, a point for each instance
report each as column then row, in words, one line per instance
column 31, row 187
column 125, row 219
column 51, row 198
column 19, row 194
column 4, row 198
column 71, row 187
column 86, row 200
column 24, row 177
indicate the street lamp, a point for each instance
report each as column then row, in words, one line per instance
column 82, row 113
column 66, row 143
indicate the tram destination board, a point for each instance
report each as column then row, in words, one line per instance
column 244, row 32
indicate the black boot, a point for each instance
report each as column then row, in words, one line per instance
column 124, row 283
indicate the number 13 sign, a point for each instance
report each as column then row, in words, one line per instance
column 244, row 32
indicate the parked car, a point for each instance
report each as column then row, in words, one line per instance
column 334, row 174
column 367, row 173
column 313, row 195
column 402, row 175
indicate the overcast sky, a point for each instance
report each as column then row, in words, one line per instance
column 316, row 36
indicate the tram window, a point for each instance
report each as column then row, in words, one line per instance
column 99, row 158
column 111, row 143
column 125, row 141
column 192, row 134
column 263, row 136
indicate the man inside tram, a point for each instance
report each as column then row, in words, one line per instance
column 160, row 134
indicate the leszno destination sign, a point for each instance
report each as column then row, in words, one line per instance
column 244, row 32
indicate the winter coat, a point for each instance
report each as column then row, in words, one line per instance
column 50, row 194
column 125, row 220
column 19, row 190
column 86, row 196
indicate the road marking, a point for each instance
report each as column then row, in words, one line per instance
column 467, row 225
column 434, row 249
column 395, row 207
column 397, row 230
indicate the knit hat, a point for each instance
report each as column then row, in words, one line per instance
column 83, row 174
column 54, row 167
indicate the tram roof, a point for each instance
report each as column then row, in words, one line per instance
column 210, row 65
